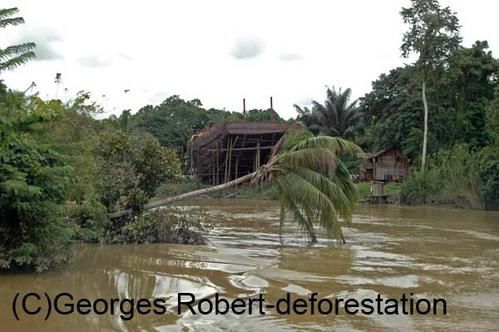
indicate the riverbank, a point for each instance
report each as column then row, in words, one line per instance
column 395, row 191
column 185, row 185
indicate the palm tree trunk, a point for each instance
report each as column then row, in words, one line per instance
column 191, row 194
column 425, row 130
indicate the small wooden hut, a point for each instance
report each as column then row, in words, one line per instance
column 385, row 165
column 230, row 150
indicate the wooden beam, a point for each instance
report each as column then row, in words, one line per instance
column 267, row 147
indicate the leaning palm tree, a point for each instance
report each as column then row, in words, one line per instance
column 312, row 183
column 15, row 55
column 336, row 117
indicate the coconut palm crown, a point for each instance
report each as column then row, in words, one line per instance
column 335, row 117
column 312, row 183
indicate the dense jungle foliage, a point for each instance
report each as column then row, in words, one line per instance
column 461, row 92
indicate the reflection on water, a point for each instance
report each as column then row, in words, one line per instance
column 391, row 250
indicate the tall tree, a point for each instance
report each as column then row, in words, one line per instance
column 433, row 36
column 336, row 117
column 34, row 180
column 389, row 113
column 14, row 55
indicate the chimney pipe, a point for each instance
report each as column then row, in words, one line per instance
column 271, row 110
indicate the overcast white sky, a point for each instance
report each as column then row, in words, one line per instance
column 219, row 51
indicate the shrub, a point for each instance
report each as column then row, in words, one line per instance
column 180, row 186
column 33, row 182
column 489, row 177
column 459, row 169
column 167, row 225
column 363, row 189
column 421, row 188
column 132, row 169
column 88, row 218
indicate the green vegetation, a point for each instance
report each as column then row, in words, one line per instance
column 337, row 117
column 433, row 36
column 33, row 184
column 313, row 184
column 175, row 120
column 440, row 111
column 459, row 177
column 14, row 55
column 62, row 171
column 186, row 185
column 180, row 186
column 391, row 188
column 170, row 225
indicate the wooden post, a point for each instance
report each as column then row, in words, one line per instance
column 271, row 110
column 257, row 154
column 230, row 161
column 237, row 166
column 254, row 162
column 232, row 144
column 217, row 175
column 211, row 174
column 227, row 159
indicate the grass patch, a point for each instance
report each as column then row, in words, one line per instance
column 363, row 189
column 263, row 191
column 390, row 188
column 181, row 186
column 185, row 185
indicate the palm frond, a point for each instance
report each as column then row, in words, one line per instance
column 6, row 19
column 336, row 144
column 318, row 159
column 290, row 204
column 311, row 192
column 17, row 61
column 6, row 12
column 332, row 189
column 15, row 55
column 16, row 49
column 11, row 21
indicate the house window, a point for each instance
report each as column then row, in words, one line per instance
column 398, row 159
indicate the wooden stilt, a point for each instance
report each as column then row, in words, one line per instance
column 217, row 175
column 254, row 162
column 230, row 162
column 257, row 154
column 236, row 173
column 227, row 159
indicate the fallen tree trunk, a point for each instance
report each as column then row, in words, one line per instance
column 191, row 194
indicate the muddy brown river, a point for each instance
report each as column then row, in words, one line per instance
column 430, row 252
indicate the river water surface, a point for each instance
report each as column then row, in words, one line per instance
column 431, row 252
